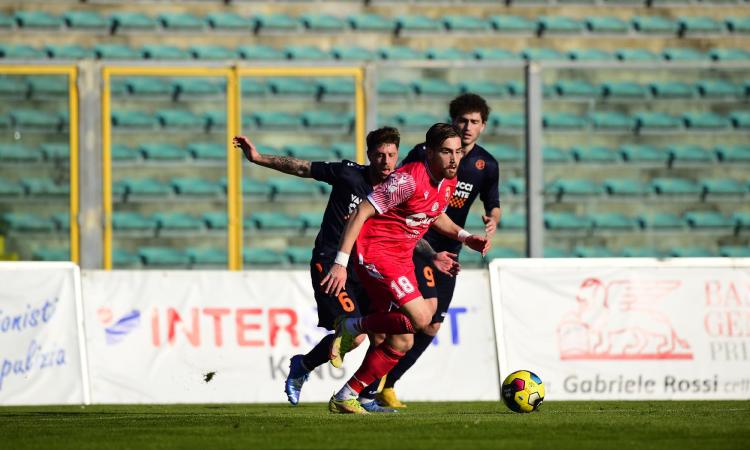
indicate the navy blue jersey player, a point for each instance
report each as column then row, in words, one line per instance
column 351, row 182
column 478, row 176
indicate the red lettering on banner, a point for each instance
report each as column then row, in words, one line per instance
column 727, row 323
column 193, row 335
column 155, row 339
column 727, row 295
column 290, row 327
column 242, row 327
column 216, row 314
column 712, row 293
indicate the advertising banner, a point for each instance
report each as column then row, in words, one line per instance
column 41, row 359
column 210, row 336
column 626, row 329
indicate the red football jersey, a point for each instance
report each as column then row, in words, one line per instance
column 408, row 201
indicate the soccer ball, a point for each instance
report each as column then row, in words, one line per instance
column 523, row 391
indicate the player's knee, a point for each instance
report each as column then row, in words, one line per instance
column 376, row 338
column 401, row 342
column 432, row 329
column 421, row 321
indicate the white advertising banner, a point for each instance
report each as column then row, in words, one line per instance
column 626, row 328
column 41, row 358
column 209, row 336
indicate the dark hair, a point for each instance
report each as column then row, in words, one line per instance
column 383, row 135
column 468, row 103
column 439, row 133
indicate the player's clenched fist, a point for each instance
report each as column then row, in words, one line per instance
column 478, row 243
column 335, row 280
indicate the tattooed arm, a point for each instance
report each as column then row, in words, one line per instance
column 285, row 164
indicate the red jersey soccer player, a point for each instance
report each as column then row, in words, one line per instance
column 386, row 229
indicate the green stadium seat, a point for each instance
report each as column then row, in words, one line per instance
column 277, row 23
column 448, row 54
column 740, row 119
column 434, row 87
column 474, row 223
column 125, row 259
column 690, row 252
column 293, row 187
column 164, row 52
column 196, row 187
column 345, row 150
column 131, row 21
column 417, row 121
column 55, row 151
column 275, row 221
column 683, row 54
column 162, row 152
column 650, row 120
column 50, row 254
column 516, row 185
column 163, row 256
column 260, row 52
column 335, row 87
column 641, row 252
column 311, row 152
column 583, row 251
column 503, row 252
column 115, row 51
column 483, row 88
column 10, row 189
column 612, row 221
column 733, row 154
column 591, row 54
column 464, row 23
column 6, row 22
column 555, row 252
column 660, row 221
column 229, row 21
column 542, row 54
column 417, row 23
column 37, row 20
column 606, row 25
column 34, row 119
column 723, row 186
column 85, row 20
column 654, row 25
column 262, row 257
column 559, row 24
column 738, row 24
column 513, row 24
column 293, row 86
column 625, row 187
column 132, row 221
column 623, row 90
column 718, row 88
column 575, row 88
column 611, row 121
column 675, row 186
column 274, row 120
column 13, row 87
column 735, row 251
column 636, row 54
column 643, row 154
column 197, row 87
column 208, row 152
column 179, row 119
column 371, row 22
column 298, row 255
column 729, row 54
column 177, row 222
column 68, row 52
column 471, row 259
column 145, row 187
column 21, row 52
column 516, row 88
column 671, row 89
column 554, row 155
column 508, row 121
column 354, row 53
column 207, row 256
column 513, row 221
column 122, row 153
column 564, row 221
column 216, row 220
column 688, row 153
column 594, row 154
column 180, row 22
column 573, row 186
column 327, row 121
column 698, row 25
column 25, row 223
column 393, row 88
column 305, row 52
column 253, row 87
column 741, row 220
column 18, row 153
column 494, row 54
column 149, row 87
column 563, row 121
column 323, row 22
column 505, row 153
column 312, row 219
column 707, row 219
column 212, row 52
column 399, row 53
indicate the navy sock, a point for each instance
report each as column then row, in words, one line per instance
column 421, row 342
column 319, row 354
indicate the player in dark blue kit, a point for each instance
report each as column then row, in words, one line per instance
column 351, row 182
column 478, row 175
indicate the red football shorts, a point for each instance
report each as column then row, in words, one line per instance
column 388, row 286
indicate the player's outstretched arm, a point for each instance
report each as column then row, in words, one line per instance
column 335, row 279
column 445, row 226
column 285, row 164
column 445, row 262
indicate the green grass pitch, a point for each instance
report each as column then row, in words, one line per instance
column 704, row 425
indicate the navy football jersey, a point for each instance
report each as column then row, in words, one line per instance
column 350, row 185
column 478, row 175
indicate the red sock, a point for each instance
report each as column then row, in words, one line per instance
column 387, row 322
column 376, row 364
